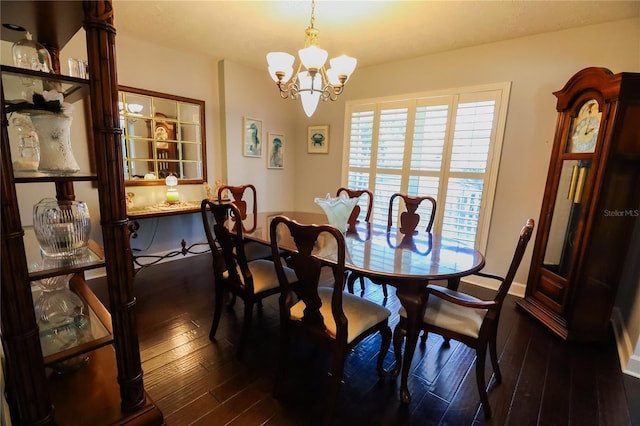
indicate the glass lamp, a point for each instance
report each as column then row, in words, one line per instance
column 172, row 196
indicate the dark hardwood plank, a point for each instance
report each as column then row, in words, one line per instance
column 583, row 398
column 511, row 358
column 612, row 403
column 197, row 381
column 554, row 407
column 527, row 395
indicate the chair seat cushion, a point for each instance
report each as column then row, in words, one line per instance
column 264, row 275
column 361, row 314
column 444, row 314
column 253, row 251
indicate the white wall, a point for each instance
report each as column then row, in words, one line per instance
column 251, row 93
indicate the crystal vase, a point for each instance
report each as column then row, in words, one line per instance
column 63, row 321
column 54, row 134
column 62, row 227
column 337, row 209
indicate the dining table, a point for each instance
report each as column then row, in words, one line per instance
column 384, row 255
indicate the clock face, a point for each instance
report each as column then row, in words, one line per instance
column 584, row 128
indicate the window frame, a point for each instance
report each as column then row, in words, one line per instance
column 498, row 92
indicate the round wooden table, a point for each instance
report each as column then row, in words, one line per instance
column 387, row 256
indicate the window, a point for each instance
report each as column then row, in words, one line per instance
column 444, row 145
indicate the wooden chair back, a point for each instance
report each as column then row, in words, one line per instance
column 409, row 219
column 307, row 268
column 354, row 193
column 521, row 246
column 239, row 198
column 226, row 247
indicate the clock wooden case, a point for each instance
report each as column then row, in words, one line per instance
column 590, row 206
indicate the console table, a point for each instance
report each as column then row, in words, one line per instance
column 161, row 210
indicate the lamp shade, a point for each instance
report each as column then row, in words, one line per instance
column 312, row 57
column 309, row 98
column 280, row 61
column 343, row 65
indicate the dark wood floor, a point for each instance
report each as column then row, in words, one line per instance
column 196, row 381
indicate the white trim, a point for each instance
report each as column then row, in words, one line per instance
column 517, row 289
column 629, row 362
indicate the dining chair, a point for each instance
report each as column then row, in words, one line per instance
column 244, row 196
column 326, row 315
column 251, row 281
column 408, row 222
column 355, row 193
column 467, row 319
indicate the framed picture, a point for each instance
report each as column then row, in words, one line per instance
column 318, row 140
column 275, row 151
column 252, row 137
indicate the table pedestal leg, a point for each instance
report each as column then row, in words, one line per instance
column 414, row 303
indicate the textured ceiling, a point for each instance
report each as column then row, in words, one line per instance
column 372, row 31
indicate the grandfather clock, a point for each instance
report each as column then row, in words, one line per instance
column 590, row 206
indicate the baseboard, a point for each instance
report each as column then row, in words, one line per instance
column 517, row 289
column 629, row 362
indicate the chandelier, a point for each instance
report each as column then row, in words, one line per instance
column 314, row 82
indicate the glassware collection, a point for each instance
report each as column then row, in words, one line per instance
column 62, row 227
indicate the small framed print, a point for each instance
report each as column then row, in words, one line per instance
column 252, row 137
column 275, row 151
column 318, row 140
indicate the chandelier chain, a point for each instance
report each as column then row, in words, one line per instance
column 313, row 12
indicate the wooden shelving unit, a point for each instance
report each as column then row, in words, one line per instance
column 109, row 388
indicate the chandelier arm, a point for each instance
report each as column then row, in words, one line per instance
column 294, row 90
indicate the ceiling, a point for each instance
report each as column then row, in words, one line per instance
column 373, row 31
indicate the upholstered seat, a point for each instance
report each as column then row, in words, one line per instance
column 263, row 274
column 361, row 314
column 444, row 314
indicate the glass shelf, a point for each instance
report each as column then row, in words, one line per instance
column 32, row 176
column 42, row 268
column 64, row 344
column 15, row 80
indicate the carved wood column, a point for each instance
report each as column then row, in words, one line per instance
column 101, row 34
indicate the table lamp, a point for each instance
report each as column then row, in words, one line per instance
column 172, row 196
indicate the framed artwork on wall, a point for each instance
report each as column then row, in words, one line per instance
column 275, row 151
column 252, row 137
column 318, row 140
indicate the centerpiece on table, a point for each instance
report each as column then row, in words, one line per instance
column 51, row 118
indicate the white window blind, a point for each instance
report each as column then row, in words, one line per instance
column 446, row 145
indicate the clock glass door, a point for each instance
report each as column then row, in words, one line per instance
column 566, row 216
